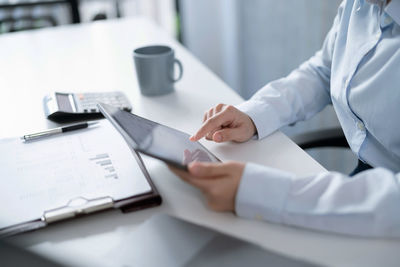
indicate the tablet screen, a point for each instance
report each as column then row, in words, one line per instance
column 158, row 140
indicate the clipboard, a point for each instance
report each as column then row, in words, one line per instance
column 81, row 206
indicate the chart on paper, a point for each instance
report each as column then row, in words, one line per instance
column 103, row 161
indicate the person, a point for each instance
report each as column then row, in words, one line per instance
column 357, row 70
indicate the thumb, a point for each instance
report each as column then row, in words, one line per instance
column 228, row 134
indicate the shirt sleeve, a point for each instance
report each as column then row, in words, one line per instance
column 367, row 204
column 300, row 95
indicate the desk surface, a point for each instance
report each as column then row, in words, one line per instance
column 98, row 57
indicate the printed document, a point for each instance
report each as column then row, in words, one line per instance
column 45, row 174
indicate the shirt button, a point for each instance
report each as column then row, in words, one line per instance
column 360, row 126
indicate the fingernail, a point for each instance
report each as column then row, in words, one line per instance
column 191, row 138
column 218, row 138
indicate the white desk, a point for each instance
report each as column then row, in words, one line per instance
column 97, row 57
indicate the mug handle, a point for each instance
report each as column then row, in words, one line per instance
column 177, row 61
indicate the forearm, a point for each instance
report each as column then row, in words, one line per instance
column 366, row 205
column 296, row 97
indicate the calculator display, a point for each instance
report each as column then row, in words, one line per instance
column 63, row 101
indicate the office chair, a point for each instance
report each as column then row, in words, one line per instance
column 10, row 21
column 333, row 137
column 328, row 138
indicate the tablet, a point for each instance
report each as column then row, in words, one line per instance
column 156, row 140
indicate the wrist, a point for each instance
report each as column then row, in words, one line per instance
column 252, row 126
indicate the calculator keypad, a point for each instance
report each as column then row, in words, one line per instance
column 87, row 102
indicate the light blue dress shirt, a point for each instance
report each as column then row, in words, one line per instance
column 358, row 72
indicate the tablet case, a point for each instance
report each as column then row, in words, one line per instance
column 89, row 206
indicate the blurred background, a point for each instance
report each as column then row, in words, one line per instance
column 246, row 43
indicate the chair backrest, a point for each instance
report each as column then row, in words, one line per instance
column 21, row 15
column 322, row 138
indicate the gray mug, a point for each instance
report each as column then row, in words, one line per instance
column 155, row 69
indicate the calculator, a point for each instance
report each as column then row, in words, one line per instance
column 65, row 107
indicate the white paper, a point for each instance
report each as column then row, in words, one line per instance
column 45, row 174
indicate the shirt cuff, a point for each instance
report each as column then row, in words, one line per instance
column 262, row 193
column 264, row 120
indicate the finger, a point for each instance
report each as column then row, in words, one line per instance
column 209, row 136
column 211, row 125
column 210, row 113
column 187, row 177
column 228, row 134
column 206, row 169
column 205, row 117
column 219, row 107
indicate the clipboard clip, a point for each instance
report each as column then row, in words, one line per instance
column 77, row 206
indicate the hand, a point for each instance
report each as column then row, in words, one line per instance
column 225, row 123
column 219, row 182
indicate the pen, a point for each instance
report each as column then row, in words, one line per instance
column 58, row 130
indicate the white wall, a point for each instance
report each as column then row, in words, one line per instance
column 276, row 36
column 257, row 40
column 210, row 31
